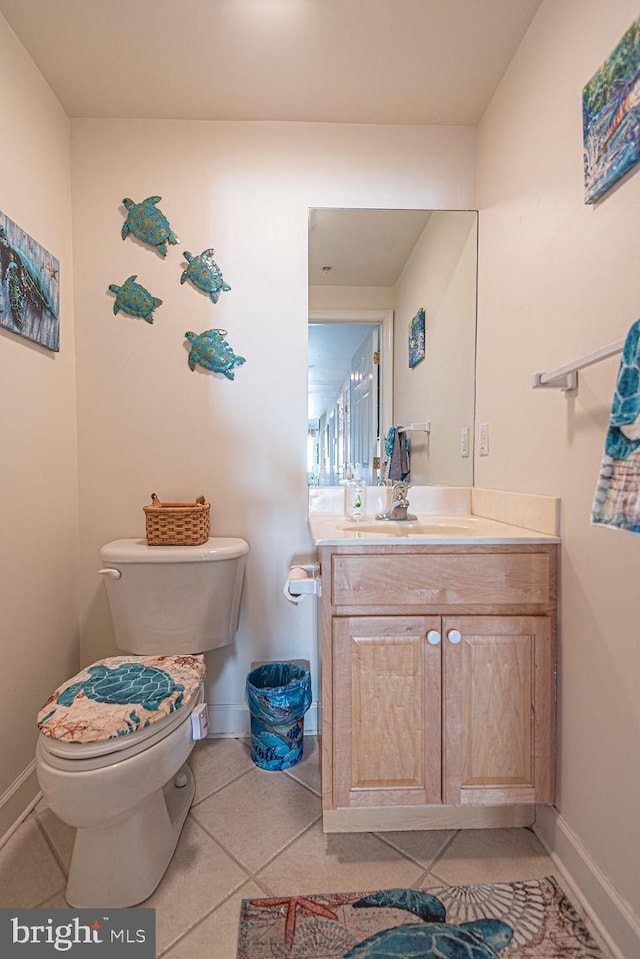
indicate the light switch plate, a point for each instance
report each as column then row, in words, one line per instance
column 483, row 445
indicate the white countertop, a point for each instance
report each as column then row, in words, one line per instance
column 429, row 529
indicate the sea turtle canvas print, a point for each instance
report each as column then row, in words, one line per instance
column 29, row 287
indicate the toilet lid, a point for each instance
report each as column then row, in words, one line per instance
column 66, row 755
column 119, row 696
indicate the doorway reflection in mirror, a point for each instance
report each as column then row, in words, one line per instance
column 344, row 413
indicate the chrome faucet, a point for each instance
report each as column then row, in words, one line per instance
column 399, row 504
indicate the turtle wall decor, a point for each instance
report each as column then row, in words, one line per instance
column 148, row 223
column 204, row 273
column 134, row 299
column 211, row 351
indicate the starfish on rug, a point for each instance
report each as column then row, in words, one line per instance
column 293, row 903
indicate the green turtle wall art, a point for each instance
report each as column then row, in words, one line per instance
column 134, row 299
column 204, row 273
column 148, row 223
column 211, row 351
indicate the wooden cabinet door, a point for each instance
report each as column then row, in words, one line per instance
column 498, row 710
column 387, row 710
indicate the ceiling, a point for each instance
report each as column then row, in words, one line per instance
column 361, row 247
column 355, row 61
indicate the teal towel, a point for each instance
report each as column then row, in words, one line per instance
column 617, row 498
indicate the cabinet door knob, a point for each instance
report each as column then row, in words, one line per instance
column 454, row 636
column 433, row 637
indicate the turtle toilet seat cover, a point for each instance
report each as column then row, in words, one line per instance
column 120, row 695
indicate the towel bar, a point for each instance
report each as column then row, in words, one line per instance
column 566, row 377
column 416, row 427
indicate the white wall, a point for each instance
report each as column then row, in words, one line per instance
column 440, row 277
column 352, row 297
column 146, row 423
column 38, row 505
column 559, row 279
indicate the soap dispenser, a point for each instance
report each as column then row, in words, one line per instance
column 356, row 496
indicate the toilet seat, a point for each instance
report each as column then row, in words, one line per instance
column 75, row 756
column 120, row 697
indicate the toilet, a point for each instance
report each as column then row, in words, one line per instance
column 111, row 757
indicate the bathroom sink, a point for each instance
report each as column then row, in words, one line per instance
column 442, row 518
column 439, row 526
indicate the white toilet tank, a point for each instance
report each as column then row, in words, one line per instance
column 174, row 599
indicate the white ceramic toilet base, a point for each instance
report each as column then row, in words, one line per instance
column 121, row 864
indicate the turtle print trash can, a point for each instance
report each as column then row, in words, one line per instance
column 278, row 695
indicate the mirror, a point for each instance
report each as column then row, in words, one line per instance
column 370, row 273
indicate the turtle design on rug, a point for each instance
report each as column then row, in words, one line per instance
column 437, row 939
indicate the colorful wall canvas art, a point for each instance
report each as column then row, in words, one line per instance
column 29, row 287
column 611, row 117
column 416, row 339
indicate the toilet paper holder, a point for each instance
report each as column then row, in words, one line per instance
column 303, row 579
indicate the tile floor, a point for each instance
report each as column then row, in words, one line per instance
column 252, row 833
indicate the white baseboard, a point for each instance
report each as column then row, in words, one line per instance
column 17, row 801
column 611, row 915
column 234, row 720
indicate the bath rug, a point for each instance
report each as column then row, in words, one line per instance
column 515, row 920
column 119, row 695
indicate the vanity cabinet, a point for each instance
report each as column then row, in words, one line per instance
column 438, row 685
